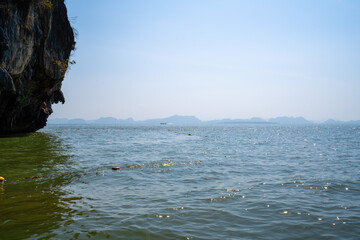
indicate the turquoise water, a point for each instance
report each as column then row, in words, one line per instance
column 216, row 182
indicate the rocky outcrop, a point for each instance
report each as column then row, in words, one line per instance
column 36, row 40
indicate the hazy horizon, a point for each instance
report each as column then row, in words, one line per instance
column 214, row 60
column 205, row 120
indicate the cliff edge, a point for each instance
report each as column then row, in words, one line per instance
column 36, row 40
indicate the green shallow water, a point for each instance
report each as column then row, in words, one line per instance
column 223, row 182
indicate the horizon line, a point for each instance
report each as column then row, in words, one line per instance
column 218, row 119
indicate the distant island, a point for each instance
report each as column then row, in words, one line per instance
column 192, row 120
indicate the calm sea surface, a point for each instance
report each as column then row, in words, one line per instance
column 222, row 182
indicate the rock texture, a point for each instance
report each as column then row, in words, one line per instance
column 36, row 40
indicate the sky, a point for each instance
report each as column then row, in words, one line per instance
column 214, row 59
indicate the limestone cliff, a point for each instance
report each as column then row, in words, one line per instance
column 36, row 39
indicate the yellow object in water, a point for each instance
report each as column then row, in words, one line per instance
column 2, row 179
column 116, row 168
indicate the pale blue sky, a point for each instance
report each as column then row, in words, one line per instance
column 214, row 59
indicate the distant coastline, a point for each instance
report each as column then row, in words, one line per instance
column 192, row 120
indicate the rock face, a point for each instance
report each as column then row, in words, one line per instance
column 36, row 40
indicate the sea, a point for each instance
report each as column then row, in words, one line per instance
column 181, row 182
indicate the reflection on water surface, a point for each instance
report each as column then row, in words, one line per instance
column 30, row 208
